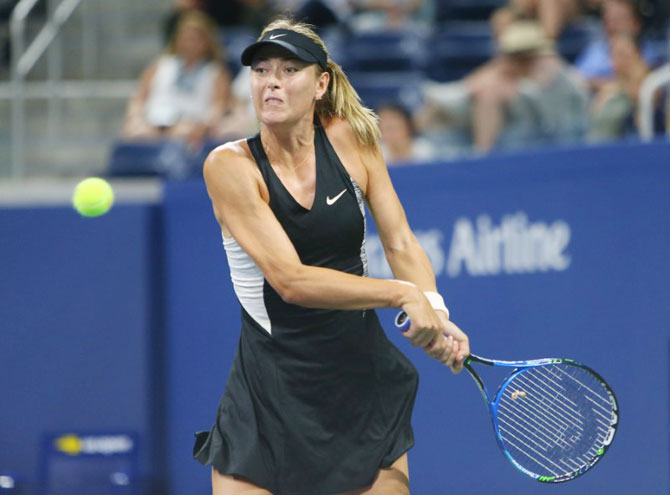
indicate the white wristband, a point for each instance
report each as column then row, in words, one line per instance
column 437, row 302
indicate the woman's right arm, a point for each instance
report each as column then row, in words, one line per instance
column 237, row 191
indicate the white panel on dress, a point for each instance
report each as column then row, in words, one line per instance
column 248, row 281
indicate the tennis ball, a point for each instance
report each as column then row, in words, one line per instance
column 93, row 197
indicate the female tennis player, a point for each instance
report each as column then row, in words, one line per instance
column 318, row 401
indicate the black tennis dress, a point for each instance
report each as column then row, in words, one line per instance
column 317, row 401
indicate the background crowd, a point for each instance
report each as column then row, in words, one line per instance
column 447, row 78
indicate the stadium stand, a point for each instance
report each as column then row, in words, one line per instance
column 575, row 37
column 458, row 48
column 381, row 87
column 70, row 126
column 235, row 40
column 446, row 10
column 384, row 66
column 384, row 51
column 166, row 158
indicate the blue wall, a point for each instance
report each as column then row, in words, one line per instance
column 538, row 254
column 79, row 329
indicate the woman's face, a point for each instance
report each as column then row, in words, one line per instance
column 191, row 42
column 284, row 89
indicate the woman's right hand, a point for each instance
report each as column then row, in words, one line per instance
column 425, row 324
column 439, row 337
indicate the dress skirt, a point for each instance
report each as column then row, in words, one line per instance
column 315, row 412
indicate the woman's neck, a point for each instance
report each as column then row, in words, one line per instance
column 289, row 146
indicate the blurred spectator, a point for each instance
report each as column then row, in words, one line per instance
column 179, row 8
column 399, row 140
column 615, row 104
column 391, row 14
column 186, row 91
column 618, row 16
column 552, row 15
column 525, row 95
column 254, row 14
column 241, row 120
column 324, row 13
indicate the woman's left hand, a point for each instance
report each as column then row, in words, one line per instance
column 453, row 349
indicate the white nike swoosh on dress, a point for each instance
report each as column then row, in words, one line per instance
column 330, row 201
column 274, row 36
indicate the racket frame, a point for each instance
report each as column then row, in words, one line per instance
column 402, row 322
column 519, row 367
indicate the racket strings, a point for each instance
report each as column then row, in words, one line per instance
column 555, row 425
column 554, row 419
column 550, row 424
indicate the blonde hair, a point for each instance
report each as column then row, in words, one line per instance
column 340, row 99
column 207, row 27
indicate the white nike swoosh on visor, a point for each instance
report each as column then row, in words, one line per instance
column 273, row 36
column 330, row 201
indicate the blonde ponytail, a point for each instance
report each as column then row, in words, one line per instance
column 341, row 99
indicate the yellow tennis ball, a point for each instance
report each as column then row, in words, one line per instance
column 93, row 197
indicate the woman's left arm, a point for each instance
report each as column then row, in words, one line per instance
column 406, row 257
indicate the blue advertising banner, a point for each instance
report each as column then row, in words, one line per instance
column 78, row 335
column 128, row 322
column 558, row 254
column 90, row 462
column 562, row 255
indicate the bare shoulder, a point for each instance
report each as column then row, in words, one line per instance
column 232, row 159
column 233, row 181
column 238, row 149
column 339, row 131
column 354, row 155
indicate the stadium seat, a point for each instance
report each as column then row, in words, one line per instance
column 164, row 158
column 336, row 39
column 234, row 40
column 378, row 88
column 452, row 10
column 459, row 47
column 385, row 51
column 574, row 39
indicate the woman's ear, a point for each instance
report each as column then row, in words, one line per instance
column 322, row 84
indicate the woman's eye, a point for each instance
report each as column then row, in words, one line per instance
column 291, row 69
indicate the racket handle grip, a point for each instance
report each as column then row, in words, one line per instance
column 402, row 321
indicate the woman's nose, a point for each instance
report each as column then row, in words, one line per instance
column 273, row 79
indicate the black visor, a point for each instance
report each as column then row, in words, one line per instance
column 299, row 45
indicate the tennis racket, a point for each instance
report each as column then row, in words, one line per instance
column 553, row 418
